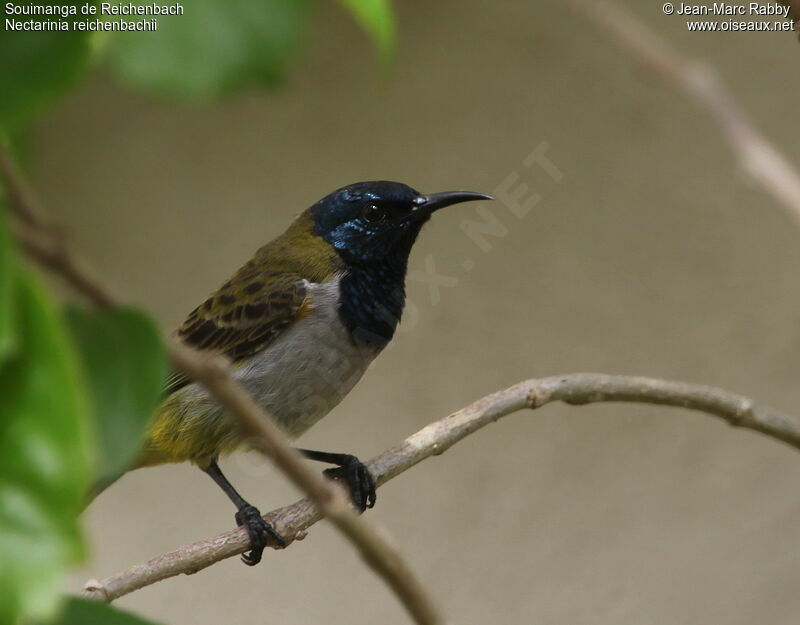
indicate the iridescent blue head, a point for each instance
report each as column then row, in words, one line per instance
column 370, row 222
column 373, row 226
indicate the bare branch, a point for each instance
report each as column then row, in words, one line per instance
column 434, row 439
column 757, row 156
column 50, row 249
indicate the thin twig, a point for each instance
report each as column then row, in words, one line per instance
column 51, row 250
column 756, row 154
column 577, row 389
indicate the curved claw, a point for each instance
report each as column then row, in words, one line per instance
column 358, row 479
column 260, row 532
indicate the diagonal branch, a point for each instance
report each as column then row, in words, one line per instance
column 48, row 247
column 758, row 157
column 577, row 389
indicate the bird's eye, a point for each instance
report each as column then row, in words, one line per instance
column 374, row 213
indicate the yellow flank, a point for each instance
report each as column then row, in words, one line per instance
column 190, row 429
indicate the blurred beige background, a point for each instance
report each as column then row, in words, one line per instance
column 651, row 256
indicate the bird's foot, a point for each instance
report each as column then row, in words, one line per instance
column 358, row 479
column 260, row 532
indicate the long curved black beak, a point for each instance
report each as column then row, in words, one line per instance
column 426, row 204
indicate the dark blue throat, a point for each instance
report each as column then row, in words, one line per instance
column 371, row 301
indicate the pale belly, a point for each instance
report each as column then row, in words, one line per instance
column 302, row 376
column 297, row 380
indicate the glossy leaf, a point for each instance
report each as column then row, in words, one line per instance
column 37, row 66
column 125, row 366
column 85, row 612
column 43, row 458
column 214, row 47
column 375, row 16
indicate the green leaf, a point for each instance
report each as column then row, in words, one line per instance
column 43, row 458
column 7, row 339
column 214, row 47
column 125, row 363
column 37, row 66
column 375, row 16
column 85, row 612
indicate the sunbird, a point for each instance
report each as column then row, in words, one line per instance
column 301, row 321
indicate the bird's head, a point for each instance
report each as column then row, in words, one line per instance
column 369, row 222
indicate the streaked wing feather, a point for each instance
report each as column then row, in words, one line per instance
column 242, row 318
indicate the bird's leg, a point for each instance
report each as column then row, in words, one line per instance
column 248, row 516
column 352, row 471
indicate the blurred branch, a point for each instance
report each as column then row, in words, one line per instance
column 42, row 240
column 49, row 247
column 576, row 389
column 757, row 156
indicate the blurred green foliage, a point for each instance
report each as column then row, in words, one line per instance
column 124, row 360
column 78, row 388
column 212, row 48
column 74, row 408
column 35, row 67
column 215, row 47
column 375, row 16
column 84, row 612
column 44, row 454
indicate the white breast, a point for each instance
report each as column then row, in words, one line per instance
column 309, row 369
